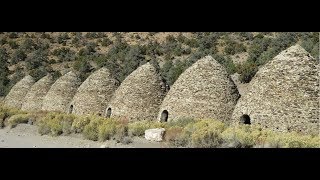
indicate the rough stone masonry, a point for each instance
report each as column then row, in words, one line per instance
column 34, row 98
column 204, row 90
column 17, row 94
column 61, row 93
column 139, row 96
column 95, row 93
column 284, row 94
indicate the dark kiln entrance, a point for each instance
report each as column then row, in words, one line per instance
column 164, row 116
column 108, row 113
column 71, row 109
column 245, row 119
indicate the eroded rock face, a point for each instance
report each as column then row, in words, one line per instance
column 17, row 94
column 34, row 98
column 139, row 96
column 61, row 93
column 155, row 134
column 284, row 94
column 204, row 90
column 94, row 93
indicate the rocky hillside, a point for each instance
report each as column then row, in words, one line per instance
column 39, row 53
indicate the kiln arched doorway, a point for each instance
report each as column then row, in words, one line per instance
column 164, row 116
column 245, row 119
column 108, row 114
column 71, row 109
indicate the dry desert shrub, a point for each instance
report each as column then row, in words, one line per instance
column 139, row 127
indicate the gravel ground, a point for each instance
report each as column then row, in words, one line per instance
column 26, row 136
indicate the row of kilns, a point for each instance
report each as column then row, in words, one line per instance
column 283, row 95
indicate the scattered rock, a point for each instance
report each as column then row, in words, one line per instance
column 111, row 143
column 126, row 140
column 232, row 145
column 154, row 134
column 30, row 121
column 103, row 146
column 34, row 146
column 268, row 145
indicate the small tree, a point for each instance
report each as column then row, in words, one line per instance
column 170, row 39
column 17, row 56
column 83, row 66
column 13, row 35
column 27, row 45
column 181, row 38
column 36, row 59
column 3, row 41
column 13, row 44
column 247, row 71
column 38, row 73
column 106, row 42
column 91, row 47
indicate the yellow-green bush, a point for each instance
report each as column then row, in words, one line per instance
column 251, row 136
column 200, row 133
column 43, row 128
column 56, row 124
column 207, row 133
column 292, row 140
column 182, row 122
column 245, row 136
column 90, row 131
column 55, row 127
column 79, row 123
column 112, row 129
column 6, row 112
column 175, row 137
column 139, row 127
column 19, row 119
column 181, row 133
column 172, row 133
column 10, row 111
column 66, row 122
column 38, row 115
column 121, row 133
column 106, row 130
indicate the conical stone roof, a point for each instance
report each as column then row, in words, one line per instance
column 34, row 98
column 284, row 94
column 204, row 90
column 139, row 96
column 61, row 93
column 17, row 94
column 95, row 93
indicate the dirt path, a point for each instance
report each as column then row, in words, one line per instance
column 26, row 136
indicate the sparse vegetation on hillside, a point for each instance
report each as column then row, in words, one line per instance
column 4, row 72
